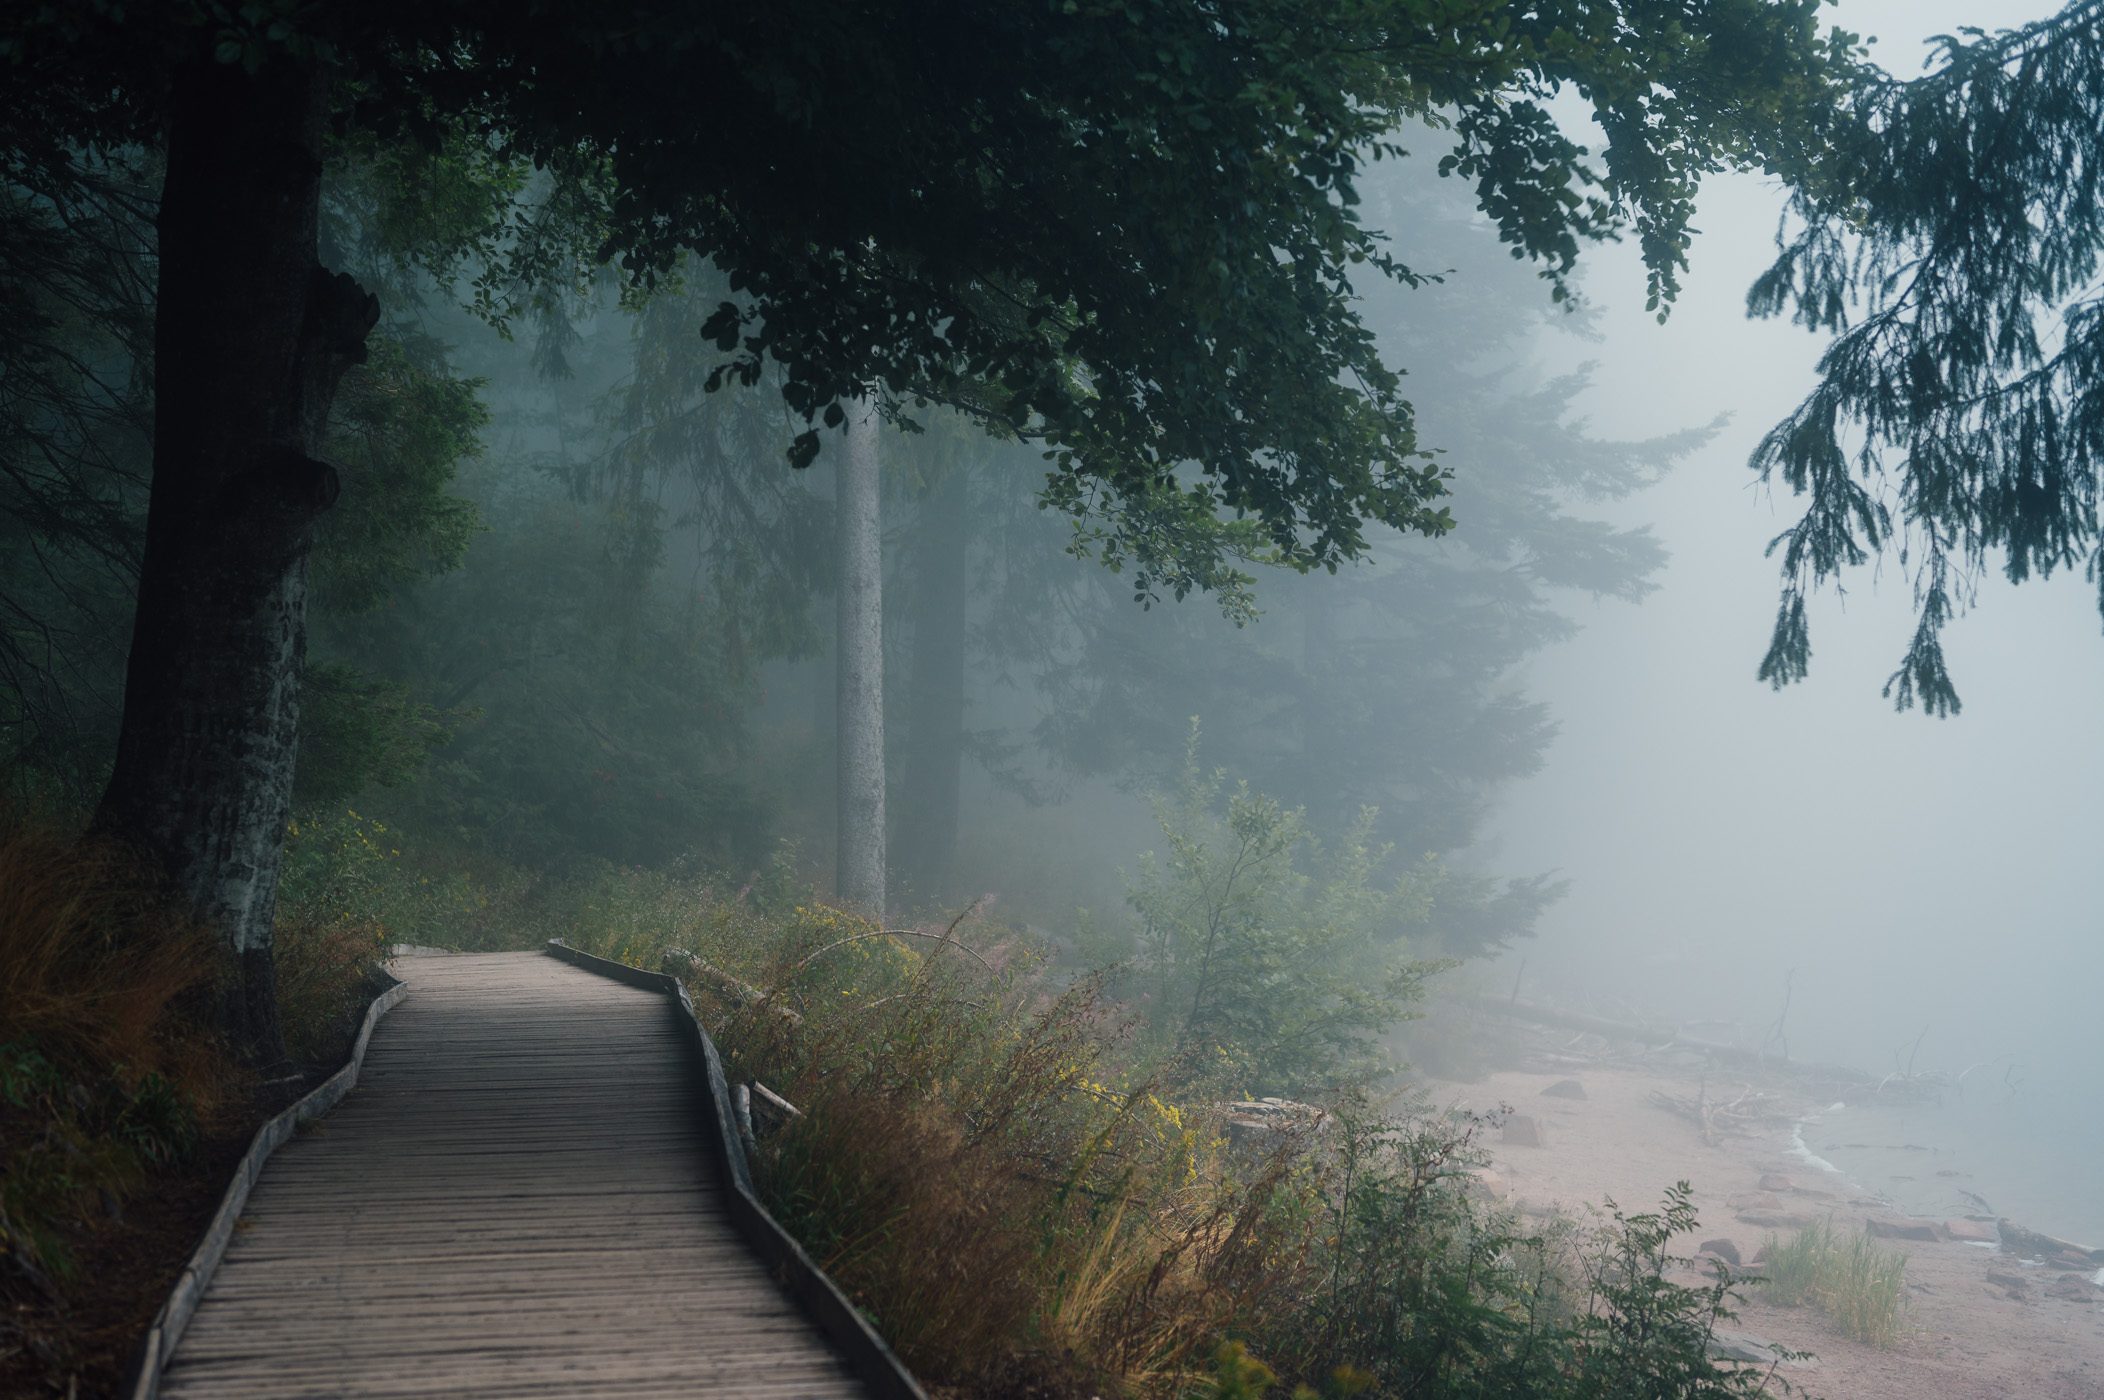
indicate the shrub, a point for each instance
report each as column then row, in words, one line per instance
column 1262, row 960
column 344, row 870
column 1638, row 1333
column 345, row 897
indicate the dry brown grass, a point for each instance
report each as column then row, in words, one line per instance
column 328, row 969
column 986, row 1167
column 93, row 967
column 103, row 1078
column 1020, row 1217
column 120, row 1111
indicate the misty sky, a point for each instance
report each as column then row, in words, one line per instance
column 1915, row 872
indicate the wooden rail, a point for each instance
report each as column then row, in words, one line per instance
column 530, row 1192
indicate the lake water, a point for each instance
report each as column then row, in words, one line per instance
column 2030, row 1154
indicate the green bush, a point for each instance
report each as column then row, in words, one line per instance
column 1263, row 961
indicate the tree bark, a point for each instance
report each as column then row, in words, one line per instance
column 934, row 768
column 859, row 649
column 251, row 337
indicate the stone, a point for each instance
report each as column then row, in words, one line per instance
column 2018, row 1240
column 2075, row 1287
column 1522, row 1131
column 1777, row 1219
column 1896, row 1227
column 1775, row 1181
column 1564, row 1089
column 2016, row 1285
column 1749, row 1349
column 1739, row 1346
column 1976, row 1231
column 1723, row 1249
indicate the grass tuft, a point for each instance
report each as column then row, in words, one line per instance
column 1850, row 1278
column 92, row 966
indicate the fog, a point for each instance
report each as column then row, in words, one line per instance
column 1915, row 871
column 1135, row 611
column 1915, row 879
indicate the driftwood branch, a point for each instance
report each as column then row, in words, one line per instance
column 1750, row 1111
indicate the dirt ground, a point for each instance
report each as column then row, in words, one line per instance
column 2033, row 1331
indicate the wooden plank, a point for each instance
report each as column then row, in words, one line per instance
column 517, row 1199
column 786, row 1259
column 166, row 1329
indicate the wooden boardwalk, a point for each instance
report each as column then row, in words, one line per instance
column 516, row 1200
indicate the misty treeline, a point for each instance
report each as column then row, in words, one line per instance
column 580, row 612
column 450, row 403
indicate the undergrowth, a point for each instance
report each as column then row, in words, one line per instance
column 109, row 1084
column 101, row 1081
column 1850, row 1278
column 1029, row 1204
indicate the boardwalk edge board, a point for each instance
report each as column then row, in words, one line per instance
column 872, row 1359
column 167, row 1326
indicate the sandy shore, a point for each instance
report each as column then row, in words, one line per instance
column 1980, row 1321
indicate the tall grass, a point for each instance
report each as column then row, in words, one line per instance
column 1026, row 1209
column 91, row 964
column 1861, row 1286
column 102, row 1078
column 108, row 1076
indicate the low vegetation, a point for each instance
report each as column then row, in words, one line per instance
column 1032, row 1197
column 99, row 1081
column 1860, row 1285
column 118, row 1113
column 1025, row 1171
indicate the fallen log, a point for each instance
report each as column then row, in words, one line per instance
column 1663, row 1037
column 690, row 967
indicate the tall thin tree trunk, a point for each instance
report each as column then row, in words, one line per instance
column 934, row 768
column 859, row 653
column 1320, row 782
column 251, row 339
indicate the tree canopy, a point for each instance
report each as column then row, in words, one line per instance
column 1127, row 230
column 1392, row 685
column 1951, row 244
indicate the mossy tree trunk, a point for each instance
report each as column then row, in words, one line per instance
column 251, row 339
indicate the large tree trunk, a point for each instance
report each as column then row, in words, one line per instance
column 859, row 652
column 251, row 338
column 935, row 750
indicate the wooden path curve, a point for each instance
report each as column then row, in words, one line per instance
column 516, row 1200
